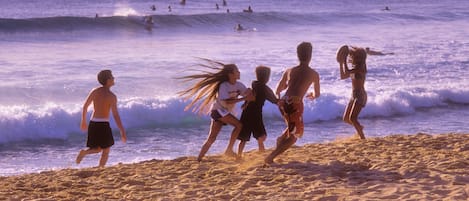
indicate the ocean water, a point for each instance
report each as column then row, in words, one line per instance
column 51, row 51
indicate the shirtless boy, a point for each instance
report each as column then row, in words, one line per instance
column 296, row 81
column 100, row 137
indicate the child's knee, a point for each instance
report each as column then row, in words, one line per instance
column 106, row 150
column 239, row 125
column 262, row 138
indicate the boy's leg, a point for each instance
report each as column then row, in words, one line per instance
column 283, row 145
column 104, row 157
column 241, row 146
column 260, row 142
column 83, row 153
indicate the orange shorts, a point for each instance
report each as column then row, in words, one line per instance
column 292, row 111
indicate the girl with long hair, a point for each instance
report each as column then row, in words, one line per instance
column 216, row 91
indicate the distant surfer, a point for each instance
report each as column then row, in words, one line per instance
column 148, row 21
column 386, row 9
column 169, row 9
column 238, row 27
column 373, row 52
column 224, row 3
column 227, row 10
column 182, row 2
column 96, row 16
column 218, row 7
column 153, row 7
column 249, row 10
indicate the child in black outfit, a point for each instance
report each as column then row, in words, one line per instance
column 251, row 117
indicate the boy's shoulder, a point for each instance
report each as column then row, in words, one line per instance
column 103, row 90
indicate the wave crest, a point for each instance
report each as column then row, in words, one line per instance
column 53, row 121
column 209, row 21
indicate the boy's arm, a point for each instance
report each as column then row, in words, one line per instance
column 115, row 114
column 88, row 101
column 317, row 88
column 270, row 96
column 282, row 84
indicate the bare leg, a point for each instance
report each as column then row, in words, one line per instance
column 215, row 128
column 230, row 119
column 347, row 112
column 260, row 142
column 283, row 144
column 354, row 119
column 104, row 157
column 241, row 148
column 282, row 137
column 83, row 153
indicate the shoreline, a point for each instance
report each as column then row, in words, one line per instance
column 395, row 167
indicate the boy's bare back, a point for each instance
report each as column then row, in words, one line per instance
column 300, row 79
column 297, row 80
column 103, row 99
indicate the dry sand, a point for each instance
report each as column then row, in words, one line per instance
column 398, row 167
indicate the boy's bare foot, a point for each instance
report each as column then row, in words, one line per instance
column 239, row 158
column 361, row 136
column 268, row 163
column 80, row 156
column 357, row 136
column 230, row 153
column 268, row 160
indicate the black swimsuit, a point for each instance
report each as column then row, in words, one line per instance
column 359, row 95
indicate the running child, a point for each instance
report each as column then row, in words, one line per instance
column 100, row 137
column 251, row 118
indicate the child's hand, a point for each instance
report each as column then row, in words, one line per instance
column 123, row 136
column 310, row 96
column 83, row 126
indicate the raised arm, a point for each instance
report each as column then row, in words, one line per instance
column 344, row 71
column 117, row 119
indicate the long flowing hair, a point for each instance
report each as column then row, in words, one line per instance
column 207, row 84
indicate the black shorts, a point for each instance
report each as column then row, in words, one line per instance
column 252, row 124
column 216, row 116
column 359, row 97
column 99, row 135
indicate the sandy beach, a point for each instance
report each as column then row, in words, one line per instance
column 397, row 167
